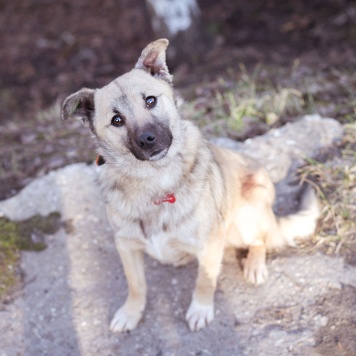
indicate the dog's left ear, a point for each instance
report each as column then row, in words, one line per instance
column 153, row 60
column 80, row 105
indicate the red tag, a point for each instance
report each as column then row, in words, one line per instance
column 169, row 198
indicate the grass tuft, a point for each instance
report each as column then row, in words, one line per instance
column 335, row 182
column 232, row 105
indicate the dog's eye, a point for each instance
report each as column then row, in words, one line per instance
column 151, row 102
column 117, row 121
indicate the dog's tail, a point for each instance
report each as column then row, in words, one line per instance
column 299, row 225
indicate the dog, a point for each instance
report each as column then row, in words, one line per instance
column 172, row 194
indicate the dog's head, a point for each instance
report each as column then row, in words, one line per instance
column 135, row 115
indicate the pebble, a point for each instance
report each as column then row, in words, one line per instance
column 334, row 285
column 321, row 320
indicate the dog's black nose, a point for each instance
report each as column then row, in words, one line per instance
column 146, row 140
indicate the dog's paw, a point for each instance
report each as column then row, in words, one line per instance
column 199, row 316
column 125, row 320
column 255, row 273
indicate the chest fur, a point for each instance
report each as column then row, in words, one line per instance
column 165, row 232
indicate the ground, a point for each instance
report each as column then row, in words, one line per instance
column 267, row 64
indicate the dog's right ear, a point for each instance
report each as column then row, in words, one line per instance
column 80, row 105
column 153, row 60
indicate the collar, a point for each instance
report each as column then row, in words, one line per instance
column 169, row 198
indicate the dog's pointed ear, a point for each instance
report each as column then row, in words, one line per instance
column 80, row 105
column 153, row 60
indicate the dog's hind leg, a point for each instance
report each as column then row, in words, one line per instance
column 129, row 315
column 201, row 310
column 255, row 269
column 254, row 223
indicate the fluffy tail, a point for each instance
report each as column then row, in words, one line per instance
column 299, row 225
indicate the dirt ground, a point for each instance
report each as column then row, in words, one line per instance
column 50, row 49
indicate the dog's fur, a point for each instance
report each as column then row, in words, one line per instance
column 222, row 198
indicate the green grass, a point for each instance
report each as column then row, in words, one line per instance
column 243, row 99
column 239, row 100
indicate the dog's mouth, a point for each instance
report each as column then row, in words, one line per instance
column 158, row 154
column 150, row 155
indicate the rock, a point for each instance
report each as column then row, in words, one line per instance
column 228, row 143
column 72, row 289
column 45, row 195
column 283, row 150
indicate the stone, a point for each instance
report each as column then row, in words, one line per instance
column 85, row 284
column 283, row 150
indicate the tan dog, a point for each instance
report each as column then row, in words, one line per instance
column 173, row 195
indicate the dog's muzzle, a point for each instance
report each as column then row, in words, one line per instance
column 151, row 143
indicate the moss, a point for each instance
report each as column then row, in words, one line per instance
column 23, row 235
column 9, row 258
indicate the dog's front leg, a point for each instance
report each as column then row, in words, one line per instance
column 201, row 309
column 129, row 315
